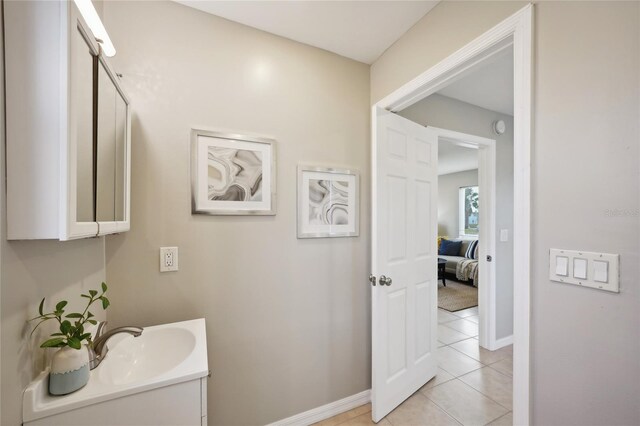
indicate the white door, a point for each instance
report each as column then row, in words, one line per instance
column 404, row 257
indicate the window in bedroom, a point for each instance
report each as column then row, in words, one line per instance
column 468, row 211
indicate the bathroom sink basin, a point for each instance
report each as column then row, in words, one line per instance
column 163, row 355
column 155, row 352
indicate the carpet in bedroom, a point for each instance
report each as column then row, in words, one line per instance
column 457, row 296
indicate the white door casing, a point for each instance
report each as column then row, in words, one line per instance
column 404, row 314
column 516, row 31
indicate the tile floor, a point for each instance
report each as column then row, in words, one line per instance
column 473, row 385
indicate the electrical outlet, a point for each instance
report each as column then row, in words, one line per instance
column 168, row 259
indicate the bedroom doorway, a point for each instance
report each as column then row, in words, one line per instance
column 466, row 220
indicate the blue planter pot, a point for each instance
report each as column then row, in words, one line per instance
column 69, row 370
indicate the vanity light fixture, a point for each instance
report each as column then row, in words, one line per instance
column 92, row 19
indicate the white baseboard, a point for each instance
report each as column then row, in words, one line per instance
column 326, row 411
column 505, row 341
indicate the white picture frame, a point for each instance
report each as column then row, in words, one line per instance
column 328, row 202
column 232, row 174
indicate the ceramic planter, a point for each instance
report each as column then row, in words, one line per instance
column 69, row 370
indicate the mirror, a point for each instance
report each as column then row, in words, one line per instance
column 106, row 147
column 121, row 157
column 83, row 62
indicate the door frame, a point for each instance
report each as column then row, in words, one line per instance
column 515, row 32
column 487, row 238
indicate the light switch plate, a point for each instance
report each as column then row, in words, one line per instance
column 600, row 270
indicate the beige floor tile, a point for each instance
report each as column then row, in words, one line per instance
column 491, row 383
column 456, row 363
column 470, row 347
column 343, row 417
column 448, row 335
column 473, row 318
column 444, row 316
column 463, row 326
column 441, row 377
column 465, row 404
column 506, row 420
column 504, row 366
column 418, row 410
column 365, row 420
column 466, row 312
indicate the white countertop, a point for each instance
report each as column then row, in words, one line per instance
column 37, row 403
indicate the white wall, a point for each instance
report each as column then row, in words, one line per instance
column 29, row 271
column 441, row 111
column 287, row 319
column 449, row 200
column 585, row 175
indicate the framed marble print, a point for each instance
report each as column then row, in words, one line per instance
column 232, row 174
column 328, row 202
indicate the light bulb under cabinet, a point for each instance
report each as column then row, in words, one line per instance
column 90, row 16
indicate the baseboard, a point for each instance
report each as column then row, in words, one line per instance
column 326, row 411
column 505, row 341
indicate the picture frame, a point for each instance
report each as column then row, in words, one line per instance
column 232, row 174
column 328, row 202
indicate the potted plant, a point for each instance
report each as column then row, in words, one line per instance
column 70, row 364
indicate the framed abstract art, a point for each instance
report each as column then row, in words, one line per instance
column 328, row 202
column 232, row 174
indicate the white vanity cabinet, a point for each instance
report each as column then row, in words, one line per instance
column 68, row 127
column 183, row 404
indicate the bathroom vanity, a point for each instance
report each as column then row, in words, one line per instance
column 158, row 378
column 68, row 125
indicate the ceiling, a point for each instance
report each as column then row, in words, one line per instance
column 360, row 30
column 489, row 86
column 453, row 158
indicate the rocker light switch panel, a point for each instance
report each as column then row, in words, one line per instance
column 562, row 266
column 579, row 268
column 588, row 269
column 600, row 271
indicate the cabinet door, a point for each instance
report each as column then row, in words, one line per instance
column 83, row 62
column 112, row 193
column 106, row 147
column 79, row 170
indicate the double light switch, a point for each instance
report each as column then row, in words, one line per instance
column 587, row 269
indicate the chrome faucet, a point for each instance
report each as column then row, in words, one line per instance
column 98, row 349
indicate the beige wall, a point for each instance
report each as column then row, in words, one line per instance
column 446, row 28
column 447, row 113
column 287, row 319
column 449, row 200
column 586, row 161
column 29, row 271
column 585, row 175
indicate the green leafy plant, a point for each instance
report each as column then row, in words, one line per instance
column 72, row 324
column 472, row 198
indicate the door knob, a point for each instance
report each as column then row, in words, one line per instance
column 372, row 279
column 385, row 280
